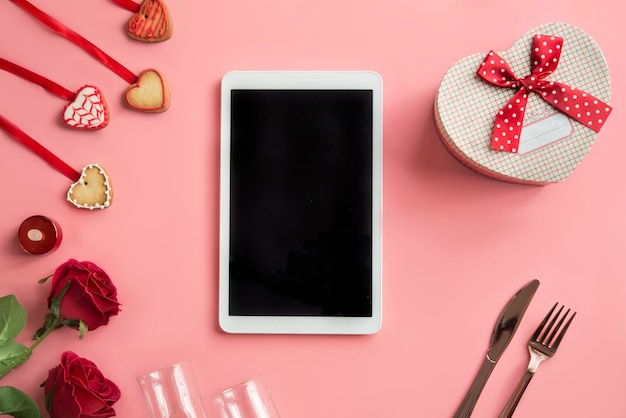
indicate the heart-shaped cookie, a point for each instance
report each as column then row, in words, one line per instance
column 149, row 94
column 88, row 111
column 92, row 190
column 553, row 144
column 152, row 23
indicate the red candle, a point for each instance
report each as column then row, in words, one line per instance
column 39, row 235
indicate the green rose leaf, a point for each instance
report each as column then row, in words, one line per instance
column 12, row 318
column 12, row 355
column 15, row 403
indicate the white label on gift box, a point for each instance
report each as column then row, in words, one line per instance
column 543, row 128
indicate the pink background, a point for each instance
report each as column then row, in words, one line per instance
column 457, row 245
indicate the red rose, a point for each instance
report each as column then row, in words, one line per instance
column 76, row 388
column 90, row 297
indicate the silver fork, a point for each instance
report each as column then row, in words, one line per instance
column 542, row 345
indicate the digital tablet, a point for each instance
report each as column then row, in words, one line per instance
column 300, row 208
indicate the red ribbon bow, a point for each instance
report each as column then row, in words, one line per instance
column 575, row 103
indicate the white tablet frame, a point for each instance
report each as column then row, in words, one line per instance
column 313, row 80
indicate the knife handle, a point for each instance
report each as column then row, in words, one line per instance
column 467, row 406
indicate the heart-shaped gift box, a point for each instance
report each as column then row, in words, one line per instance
column 551, row 144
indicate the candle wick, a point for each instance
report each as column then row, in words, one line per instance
column 34, row 235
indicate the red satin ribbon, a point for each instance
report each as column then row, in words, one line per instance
column 129, row 5
column 67, row 33
column 575, row 103
column 28, row 75
column 39, row 149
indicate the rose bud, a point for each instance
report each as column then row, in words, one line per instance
column 76, row 388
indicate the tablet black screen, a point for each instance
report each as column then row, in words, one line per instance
column 301, row 203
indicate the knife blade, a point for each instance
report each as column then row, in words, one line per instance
column 503, row 332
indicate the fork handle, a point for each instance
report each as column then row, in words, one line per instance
column 517, row 395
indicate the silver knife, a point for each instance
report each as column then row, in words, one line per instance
column 503, row 332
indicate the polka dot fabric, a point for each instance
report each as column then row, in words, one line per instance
column 545, row 55
column 466, row 106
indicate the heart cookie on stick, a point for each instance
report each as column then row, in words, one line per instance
column 91, row 188
column 149, row 94
column 150, row 22
column 87, row 110
column 531, row 113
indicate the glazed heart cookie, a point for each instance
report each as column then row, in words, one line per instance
column 529, row 114
column 152, row 23
column 92, row 190
column 149, row 94
column 88, row 110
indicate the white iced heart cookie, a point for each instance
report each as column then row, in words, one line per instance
column 554, row 145
column 92, row 190
column 88, row 111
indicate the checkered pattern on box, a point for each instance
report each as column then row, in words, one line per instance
column 466, row 107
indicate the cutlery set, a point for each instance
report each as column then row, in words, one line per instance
column 541, row 346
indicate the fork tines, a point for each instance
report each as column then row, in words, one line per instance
column 547, row 337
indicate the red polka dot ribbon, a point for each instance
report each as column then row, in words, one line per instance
column 575, row 103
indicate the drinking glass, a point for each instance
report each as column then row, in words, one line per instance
column 172, row 392
column 250, row 399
